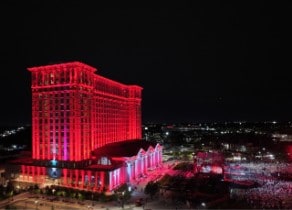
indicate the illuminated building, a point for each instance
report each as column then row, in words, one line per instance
column 76, row 116
column 209, row 162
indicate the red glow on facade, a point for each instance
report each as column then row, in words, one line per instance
column 75, row 111
column 77, row 114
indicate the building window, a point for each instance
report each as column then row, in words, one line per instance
column 104, row 161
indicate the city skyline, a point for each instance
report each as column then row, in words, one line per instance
column 196, row 61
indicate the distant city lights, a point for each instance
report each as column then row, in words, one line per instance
column 11, row 132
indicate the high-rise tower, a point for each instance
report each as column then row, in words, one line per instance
column 75, row 111
column 86, row 130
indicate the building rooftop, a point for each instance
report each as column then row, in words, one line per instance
column 117, row 149
column 123, row 149
column 66, row 65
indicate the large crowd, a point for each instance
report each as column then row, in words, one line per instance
column 272, row 193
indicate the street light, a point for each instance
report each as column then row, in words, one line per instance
column 92, row 186
column 123, row 193
column 36, row 204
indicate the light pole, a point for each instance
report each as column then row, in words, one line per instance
column 36, row 204
column 92, row 194
column 123, row 194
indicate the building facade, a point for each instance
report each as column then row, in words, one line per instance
column 74, row 113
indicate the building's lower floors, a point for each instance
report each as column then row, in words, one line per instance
column 104, row 174
column 72, row 178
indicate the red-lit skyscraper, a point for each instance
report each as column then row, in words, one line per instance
column 75, row 111
column 82, row 123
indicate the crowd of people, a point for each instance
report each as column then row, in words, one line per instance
column 272, row 193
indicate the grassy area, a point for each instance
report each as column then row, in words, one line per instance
column 184, row 166
column 209, row 185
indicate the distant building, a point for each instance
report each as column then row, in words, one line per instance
column 209, row 162
column 282, row 137
column 78, row 117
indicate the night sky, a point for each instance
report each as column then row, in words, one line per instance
column 197, row 62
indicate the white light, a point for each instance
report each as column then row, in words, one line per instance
column 167, row 133
column 146, row 128
column 203, row 204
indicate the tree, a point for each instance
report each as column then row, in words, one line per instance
column 151, row 188
column 9, row 188
column 80, row 196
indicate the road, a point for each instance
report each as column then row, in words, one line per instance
column 16, row 198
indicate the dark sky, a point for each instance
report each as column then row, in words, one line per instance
column 209, row 61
